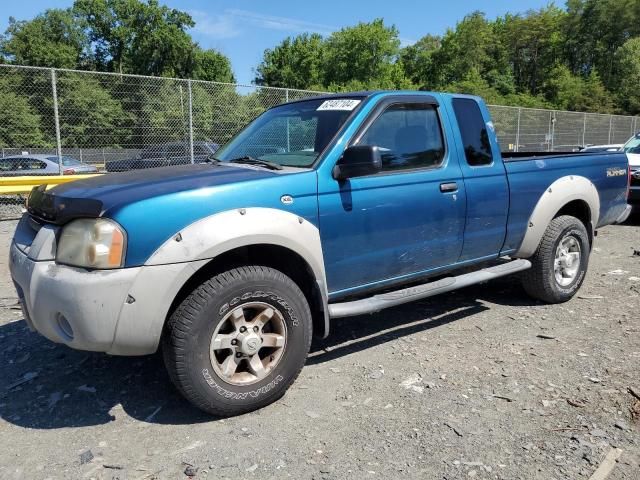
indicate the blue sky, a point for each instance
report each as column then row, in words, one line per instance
column 243, row 29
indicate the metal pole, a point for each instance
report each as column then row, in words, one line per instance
column 286, row 99
column 584, row 130
column 553, row 129
column 56, row 117
column 517, row 149
column 190, row 121
column 610, row 125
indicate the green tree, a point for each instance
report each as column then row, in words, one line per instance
column 52, row 39
column 465, row 49
column 210, row 65
column 628, row 79
column 534, row 45
column 20, row 126
column 131, row 36
column 89, row 115
column 123, row 36
column 294, row 63
column 572, row 92
column 365, row 55
column 417, row 60
column 594, row 30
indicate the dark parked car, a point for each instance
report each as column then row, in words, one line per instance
column 174, row 153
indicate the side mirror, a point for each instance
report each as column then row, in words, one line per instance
column 358, row 161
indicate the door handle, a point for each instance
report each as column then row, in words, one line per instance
column 449, row 187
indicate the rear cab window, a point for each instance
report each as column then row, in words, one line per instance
column 473, row 130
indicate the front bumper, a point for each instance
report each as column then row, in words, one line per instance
column 120, row 312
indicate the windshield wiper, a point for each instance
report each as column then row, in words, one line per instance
column 212, row 160
column 256, row 161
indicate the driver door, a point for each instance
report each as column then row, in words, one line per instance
column 407, row 219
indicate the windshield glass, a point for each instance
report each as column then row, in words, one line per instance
column 633, row 145
column 291, row 135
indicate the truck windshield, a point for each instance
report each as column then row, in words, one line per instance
column 291, row 135
column 633, row 145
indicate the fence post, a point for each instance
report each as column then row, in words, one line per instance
column 518, row 131
column 584, row 129
column 286, row 99
column 552, row 129
column 56, row 118
column 610, row 125
column 190, row 121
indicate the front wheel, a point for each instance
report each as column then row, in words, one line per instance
column 238, row 341
column 560, row 262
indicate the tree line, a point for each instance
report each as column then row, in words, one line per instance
column 584, row 57
column 122, row 36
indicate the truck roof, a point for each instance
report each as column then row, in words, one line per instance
column 363, row 94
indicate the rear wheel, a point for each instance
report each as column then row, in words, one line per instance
column 238, row 341
column 560, row 262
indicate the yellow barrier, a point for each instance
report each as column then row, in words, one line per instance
column 24, row 184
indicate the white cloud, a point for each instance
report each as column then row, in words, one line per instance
column 228, row 24
column 272, row 22
column 215, row 26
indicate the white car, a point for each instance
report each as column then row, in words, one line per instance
column 601, row 148
column 632, row 149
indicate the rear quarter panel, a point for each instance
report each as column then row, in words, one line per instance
column 530, row 177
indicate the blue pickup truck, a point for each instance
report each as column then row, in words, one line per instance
column 328, row 207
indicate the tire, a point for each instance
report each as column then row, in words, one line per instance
column 224, row 378
column 541, row 280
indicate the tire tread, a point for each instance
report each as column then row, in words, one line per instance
column 181, row 322
column 535, row 280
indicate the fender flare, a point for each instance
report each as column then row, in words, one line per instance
column 561, row 192
column 219, row 233
column 172, row 265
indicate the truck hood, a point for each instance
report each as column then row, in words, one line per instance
column 92, row 197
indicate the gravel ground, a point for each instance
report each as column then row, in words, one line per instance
column 482, row 383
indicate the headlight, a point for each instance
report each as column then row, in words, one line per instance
column 92, row 243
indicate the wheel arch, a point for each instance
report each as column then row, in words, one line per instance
column 571, row 195
column 267, row 237
column 272, row 255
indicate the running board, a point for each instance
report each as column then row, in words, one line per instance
column 411, row 294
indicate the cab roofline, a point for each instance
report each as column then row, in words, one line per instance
column 362, row 95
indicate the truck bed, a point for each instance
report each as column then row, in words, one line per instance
column 530, row 174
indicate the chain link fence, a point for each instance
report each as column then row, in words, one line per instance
column 58, row 122
column 536, row 130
